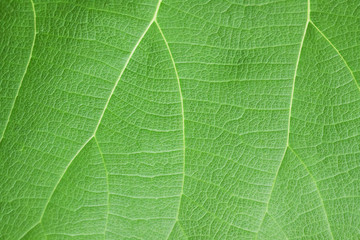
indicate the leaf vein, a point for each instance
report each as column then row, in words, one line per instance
column 101, row 116
column 338, row 52
column 317, row 189
column 289, row 118
column 182, row 113
column 23, row 76
column 107, row 185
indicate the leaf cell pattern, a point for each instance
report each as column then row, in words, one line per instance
column 180, row 119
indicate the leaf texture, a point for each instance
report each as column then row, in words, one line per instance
column 180, row 119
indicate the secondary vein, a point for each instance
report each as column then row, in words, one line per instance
column 182, row 115
column 317, row 189
column 338, row 52
column 101, row 116
column 126, row 64
column 23, row 76
column 289, row 118
column 107, row 185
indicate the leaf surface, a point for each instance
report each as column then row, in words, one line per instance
column 180, row 119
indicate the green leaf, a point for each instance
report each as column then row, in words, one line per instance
column 180, row 119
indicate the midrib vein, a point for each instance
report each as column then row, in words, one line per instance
column 183, row 123
column 25, row 71
column 100, row 119
column 289, row 117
